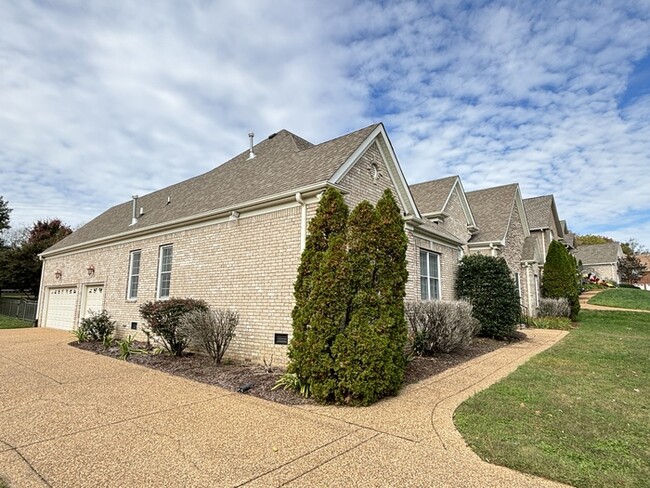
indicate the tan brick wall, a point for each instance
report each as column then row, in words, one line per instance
column 448, row 267
column 247, row 265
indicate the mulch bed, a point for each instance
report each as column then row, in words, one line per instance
column 257, row 380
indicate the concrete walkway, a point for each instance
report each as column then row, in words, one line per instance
column 72, row 418
column 588, row 295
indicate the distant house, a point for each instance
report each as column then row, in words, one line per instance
column 545, row 225
column 600, row 259
column 569, row 238
column 233, row 237
column 644, row 282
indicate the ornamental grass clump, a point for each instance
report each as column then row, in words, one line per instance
column 437, row 326
column 554, row 307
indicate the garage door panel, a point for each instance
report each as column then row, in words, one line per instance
column 61, row 306
column 93, row 300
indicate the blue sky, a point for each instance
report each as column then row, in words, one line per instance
column 100, row 100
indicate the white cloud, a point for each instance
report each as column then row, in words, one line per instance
column 101, row 100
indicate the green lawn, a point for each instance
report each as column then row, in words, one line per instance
column 623, row 298
column 7, row 322
column 578, row 413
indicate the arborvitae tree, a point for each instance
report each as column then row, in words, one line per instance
column 330, row 220
column 559, row 278
column 486, row 283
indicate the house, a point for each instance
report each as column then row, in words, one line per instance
column 233, row 237
column 545, row 225
column 504, row 230
column 644, row 282
column 569, row 238
column 600, row 259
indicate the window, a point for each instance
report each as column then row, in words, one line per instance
column 429, row 275
column 164, row 271
column 134, row 275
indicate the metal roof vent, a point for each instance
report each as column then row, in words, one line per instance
column 134, row 219
column 251, row 154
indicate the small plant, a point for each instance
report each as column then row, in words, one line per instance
column 107, row 341
column 81, row 334
column 212, row 329
column 126, row 347
column 559, row 323
column 98, row 326
column 290, row 381
column 164, row 321
column 437, row 326
column 554, row 307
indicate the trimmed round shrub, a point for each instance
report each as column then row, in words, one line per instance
column 97, row 327
column 486, row 283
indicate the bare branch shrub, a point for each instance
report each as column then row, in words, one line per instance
column 554, row 307
column 437, row 326
column 213, row 329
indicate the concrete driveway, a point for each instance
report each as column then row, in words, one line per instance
column 72, row 418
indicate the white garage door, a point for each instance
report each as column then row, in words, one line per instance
column 61, row 305
column 93, row 300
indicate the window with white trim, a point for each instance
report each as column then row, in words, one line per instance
column 134, row 275
column 164, row 271
column 429, row 275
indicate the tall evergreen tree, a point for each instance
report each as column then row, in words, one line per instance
column 330, row 220
column 559, row 278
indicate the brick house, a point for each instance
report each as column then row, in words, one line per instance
column 503, row 230
column 545, row 225
column 233, row 237
column 600, row 259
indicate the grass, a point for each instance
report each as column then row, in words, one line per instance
column 623, row 298
column 578, row 413
column 7, row 322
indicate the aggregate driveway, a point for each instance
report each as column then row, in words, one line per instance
column 72, row 418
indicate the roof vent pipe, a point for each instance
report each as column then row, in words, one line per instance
column 251, row 154
column 134, row 219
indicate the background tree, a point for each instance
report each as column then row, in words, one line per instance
column 4, row 215
column 22, row 267
column 633, row 247
column 559, row 278
column 485, row 282
column 631, row 269
column 590, row 239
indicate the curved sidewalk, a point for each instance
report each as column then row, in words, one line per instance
column 71, row 418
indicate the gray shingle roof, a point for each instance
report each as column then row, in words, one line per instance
column 492, row 208
column 598, row 253
column 539, row 211
column 430, row 196
column 283, row 162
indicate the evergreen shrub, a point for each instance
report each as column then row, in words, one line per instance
column 486, row 283
column 164, row 320
column 97, row 327
column 560, row 278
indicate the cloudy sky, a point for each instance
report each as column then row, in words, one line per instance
column 99, row 100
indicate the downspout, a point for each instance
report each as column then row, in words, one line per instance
column 41, row 295
column 303, row 221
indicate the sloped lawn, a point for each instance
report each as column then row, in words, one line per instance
column 623, row 298
column 578, row 413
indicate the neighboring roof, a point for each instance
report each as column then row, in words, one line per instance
column 431, row 196
column 492, row 208
column 529, row 251
column 541, row 211
column 598, row 253
column 282, row 163
column 570, row 239
column 565, row 227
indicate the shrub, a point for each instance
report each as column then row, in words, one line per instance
column 559, row 279
column 97, row 327
column 560, row 323
column 486, row 283
column 440, row 326
column 554, row 307
column 163, row 318
column 212, row 329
